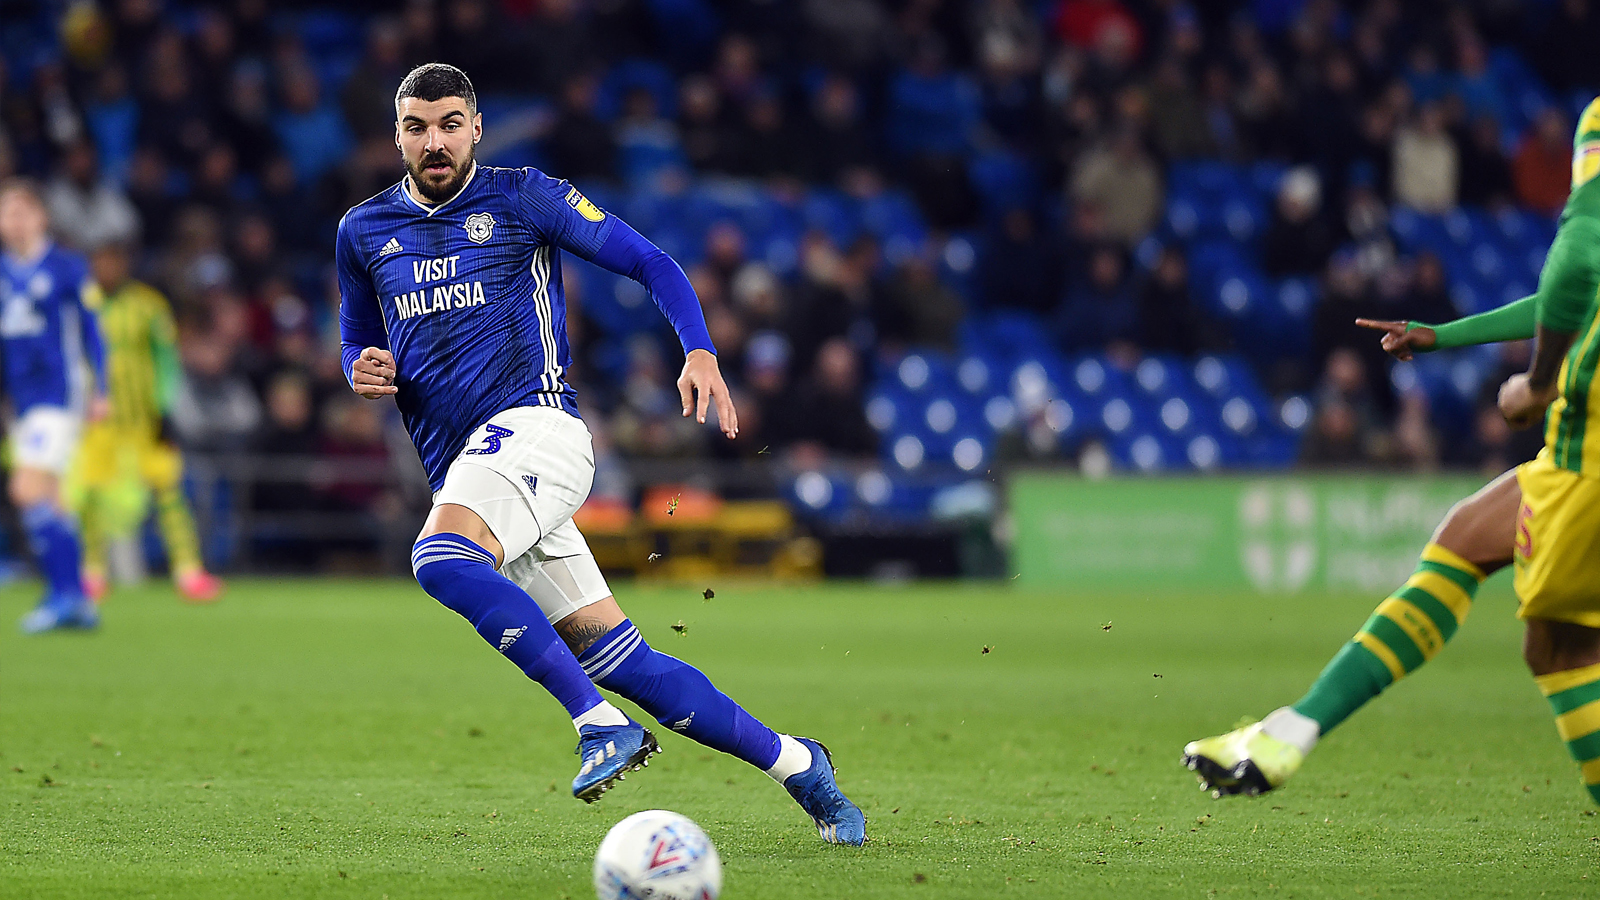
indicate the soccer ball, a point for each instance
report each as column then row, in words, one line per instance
column 660, row 855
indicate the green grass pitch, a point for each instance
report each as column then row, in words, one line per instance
column 328, row 738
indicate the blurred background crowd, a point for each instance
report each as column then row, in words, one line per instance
column 929, row 235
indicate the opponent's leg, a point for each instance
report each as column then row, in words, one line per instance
column 681, row 697
column 456, row 559
column 54, row 543
column 1406, row 630
column 1565, row 661
column 162, row 468
column 92, row 535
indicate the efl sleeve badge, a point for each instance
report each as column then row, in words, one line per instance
column 586, row 209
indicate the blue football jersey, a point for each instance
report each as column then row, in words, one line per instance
column 467, row 296
column 48, row 334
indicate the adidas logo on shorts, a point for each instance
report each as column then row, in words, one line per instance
column 510, row 637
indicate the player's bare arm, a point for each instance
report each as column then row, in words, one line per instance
column 1525, row 395
column 702, row 378
column 1400, row 340
column 372, row 375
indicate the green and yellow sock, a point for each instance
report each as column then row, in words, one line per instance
column 177, row 530
column 1574, row 697
column 1405, row 631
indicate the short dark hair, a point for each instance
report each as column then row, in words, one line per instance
column 21, row 184
column 436, row 81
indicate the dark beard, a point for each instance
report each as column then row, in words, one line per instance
column 449, row 188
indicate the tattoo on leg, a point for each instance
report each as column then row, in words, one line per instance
column 580, row 633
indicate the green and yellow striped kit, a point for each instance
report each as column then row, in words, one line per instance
column 1574, row 697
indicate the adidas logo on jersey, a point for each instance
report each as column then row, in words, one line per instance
column 510, row 637
column 390, row 248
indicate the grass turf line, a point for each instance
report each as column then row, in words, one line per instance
column 326, row 738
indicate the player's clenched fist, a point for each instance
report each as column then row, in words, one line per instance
column 372, row 376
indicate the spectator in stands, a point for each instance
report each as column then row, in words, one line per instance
column 367, row 97
column 1099, row 313
column 559, row 42
column 647, row 421
column 767, row 146
column 580, row 146
column 148, row 180
column 766, row 377
column 1426, row 163
column 215, row 409
column 1563, row 51
column 1300, row 238
column 709, row 143
column 918, row 308
column 1017, row 266
column 1117, row 188
column 1265, row 113
column 828, row 414
column 1347, row 426
column 1091, row 24
column 1542, row 167
column 245, row 123
column 1347, row 293
column 86, row 210
column 313, row 133
column 1428, row 299
column 1178, row 118
column 1485, row 173
column 112, row 117
column 1169, row 321
column 835, row 140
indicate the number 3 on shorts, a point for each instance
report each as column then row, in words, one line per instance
column 491, row 440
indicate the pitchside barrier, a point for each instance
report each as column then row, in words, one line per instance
column 1276, row 534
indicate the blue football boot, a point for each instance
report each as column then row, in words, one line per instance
column 609, row 753
column 838, row 820
column 55, row 612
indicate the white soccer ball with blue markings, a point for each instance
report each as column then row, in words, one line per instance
column 659, row 855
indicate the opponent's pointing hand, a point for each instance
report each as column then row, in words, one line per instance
column 1399, row 342
column 701, row 374
column 372, row 376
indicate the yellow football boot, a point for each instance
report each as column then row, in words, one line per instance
column 1246, row 760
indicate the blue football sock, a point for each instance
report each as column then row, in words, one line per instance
column 55, row 548
column 462, row 576
column 678, row 695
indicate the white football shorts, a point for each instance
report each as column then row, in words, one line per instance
column 44, row 437
column 525, row 472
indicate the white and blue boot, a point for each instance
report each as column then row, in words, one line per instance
column 609, row 753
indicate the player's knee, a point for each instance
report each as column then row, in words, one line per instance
column 440, row 561
column 1550, row 646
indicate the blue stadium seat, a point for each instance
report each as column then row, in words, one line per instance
column 819, row 495
column 1004, row 181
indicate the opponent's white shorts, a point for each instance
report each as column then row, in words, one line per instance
column 525, row 472
column 44, row 437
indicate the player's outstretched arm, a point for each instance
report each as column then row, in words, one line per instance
column 627, row 252
column 1512, row 322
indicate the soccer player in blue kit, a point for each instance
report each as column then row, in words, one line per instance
column 54, row 375
column 451, row 302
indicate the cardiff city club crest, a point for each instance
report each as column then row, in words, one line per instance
column 480, row 227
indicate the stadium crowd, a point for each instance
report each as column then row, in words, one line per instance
column 1039, row 142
